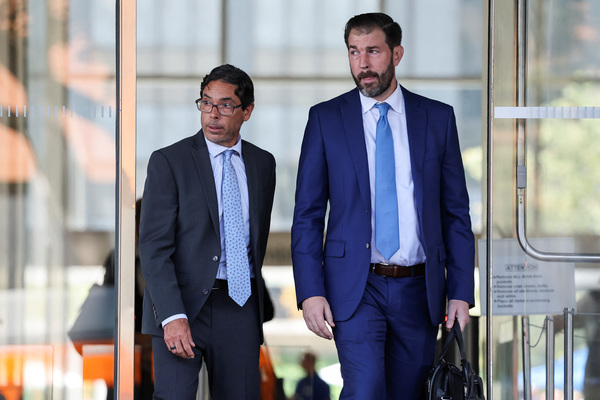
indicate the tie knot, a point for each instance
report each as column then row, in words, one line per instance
column 383, row 108
column 227, row 154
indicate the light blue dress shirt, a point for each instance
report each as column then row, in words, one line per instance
column 411, row 250
column 215, row 153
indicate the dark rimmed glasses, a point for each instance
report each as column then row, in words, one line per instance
column 206, row 106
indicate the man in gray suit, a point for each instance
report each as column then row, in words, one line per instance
column 204, row 288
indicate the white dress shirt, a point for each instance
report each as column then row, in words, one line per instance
column 411, row 251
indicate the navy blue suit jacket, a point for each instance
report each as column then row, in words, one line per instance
column 180, row 244
column 333, row 169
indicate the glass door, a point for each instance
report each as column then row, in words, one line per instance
column 58, row 118
column 542, row 240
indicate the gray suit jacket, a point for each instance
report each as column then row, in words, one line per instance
column 179, row 239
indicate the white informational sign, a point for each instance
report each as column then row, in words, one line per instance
column 523, row 285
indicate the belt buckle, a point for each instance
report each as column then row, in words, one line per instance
column 386, row 266
column 374, row 265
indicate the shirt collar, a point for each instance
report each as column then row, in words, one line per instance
column 216, row 149
column 395, row 100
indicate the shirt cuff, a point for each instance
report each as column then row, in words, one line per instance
column 173, row 318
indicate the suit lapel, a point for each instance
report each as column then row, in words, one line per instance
column 351, row 111
column 416, row 124
column 205, row 173
column 254, row 195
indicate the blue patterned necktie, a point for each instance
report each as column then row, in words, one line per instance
column 238, row 270
column 387, row 239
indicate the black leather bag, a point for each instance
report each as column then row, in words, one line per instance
column 447, row 381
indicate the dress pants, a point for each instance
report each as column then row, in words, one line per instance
column 227, row 337
column 388, row 345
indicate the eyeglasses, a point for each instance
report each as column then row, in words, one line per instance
column 206, row 106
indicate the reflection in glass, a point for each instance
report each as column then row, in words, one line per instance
column 561, row 71
column 57, row 173
column 57, row 145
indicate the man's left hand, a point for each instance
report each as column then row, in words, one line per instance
column 457, row 309
column 178, row 338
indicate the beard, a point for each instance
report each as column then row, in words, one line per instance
column 383, row 83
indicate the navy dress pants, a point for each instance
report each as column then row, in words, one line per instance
column 388, row 345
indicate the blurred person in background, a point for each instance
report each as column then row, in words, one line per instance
column 311, row 387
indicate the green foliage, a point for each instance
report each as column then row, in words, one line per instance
column 568, row 167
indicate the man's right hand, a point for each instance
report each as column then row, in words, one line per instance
column 178, row 338
column 317, row 315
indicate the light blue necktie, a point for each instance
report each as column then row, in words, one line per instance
column 236, row 253
column 387, row 239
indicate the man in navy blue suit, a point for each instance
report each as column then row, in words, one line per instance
column 196, row 306
column 393, row 252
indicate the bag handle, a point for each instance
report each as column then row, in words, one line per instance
column 455, row 334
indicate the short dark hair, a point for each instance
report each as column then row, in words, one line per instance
column 235, row 76
column 366, row 23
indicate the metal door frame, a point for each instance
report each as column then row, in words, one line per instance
column 125, row 198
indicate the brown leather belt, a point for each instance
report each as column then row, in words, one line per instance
column 398, row 271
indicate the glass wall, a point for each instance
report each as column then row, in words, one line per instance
column 57, row 152
column 296, row 56
column 57, row 194
column 58, row 163
column 544, row 198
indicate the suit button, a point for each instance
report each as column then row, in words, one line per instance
column 215, row 258
column 368, row 245
column 205, row 291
